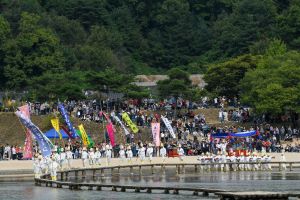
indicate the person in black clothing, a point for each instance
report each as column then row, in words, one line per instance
column 1, row 152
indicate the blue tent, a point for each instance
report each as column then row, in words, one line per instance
column 53, row 134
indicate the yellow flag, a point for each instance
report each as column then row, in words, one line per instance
column 128, row 121
column 55, row 124
column 84, row 136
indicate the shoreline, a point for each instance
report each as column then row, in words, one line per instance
column 22, row 170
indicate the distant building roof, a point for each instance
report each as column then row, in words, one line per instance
column 151, row 80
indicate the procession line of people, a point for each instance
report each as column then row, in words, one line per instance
column 208, row 162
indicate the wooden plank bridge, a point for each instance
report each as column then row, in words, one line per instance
column 82, row 173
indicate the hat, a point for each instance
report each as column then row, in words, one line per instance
column 40, row 157
column 107, row 146
column 97, row 149
column 84, row 149
column 129, row 147
column 91, row 149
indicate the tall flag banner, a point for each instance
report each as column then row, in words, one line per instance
column 91, row 142
column 65, row 116
column 84, row 136
column 156, row 133
column 28, row 141
column 55, row 124
column 110, row 131
column 168, row 125
column 106, row 117
column 128, row 121
column 121, row 123
column 67, row 132
column 45, row 144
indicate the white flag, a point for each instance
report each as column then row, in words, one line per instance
column 168, row 125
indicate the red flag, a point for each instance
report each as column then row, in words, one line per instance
column 67, row 132
column 110, row 131
column 28, row 141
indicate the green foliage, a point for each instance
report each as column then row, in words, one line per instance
column 135, row 92
column 177, row 85
column 273, row 87
column 32, row 52
column 224, row 78
column 250, row 21
column 54, row 86
column 59, row 48
column 289, row 25
column 108, row 80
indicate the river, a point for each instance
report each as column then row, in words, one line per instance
column 238, row 181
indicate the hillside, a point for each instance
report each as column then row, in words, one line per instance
column 12, row 131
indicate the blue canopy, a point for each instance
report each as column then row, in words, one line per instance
column 53, row 134
column 240, row 134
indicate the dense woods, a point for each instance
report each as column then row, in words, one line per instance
column 55, row 47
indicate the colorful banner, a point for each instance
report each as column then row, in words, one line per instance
column 110, row 131
column 229, row 135
column 67, row 120
column 44, row 143
column 55, row 124
column 121, row 124
column 28, row 141
column 128, row 121
column 168, row 125
column 67, row 132
column 84, row 136
column 155, row 127
column 91, row 142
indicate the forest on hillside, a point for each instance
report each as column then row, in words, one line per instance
column 61, row 47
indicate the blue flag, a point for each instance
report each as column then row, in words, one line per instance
column 65, row 116
column 45, row 144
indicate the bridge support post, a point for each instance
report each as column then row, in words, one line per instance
column 76, row 175
column 176, row 191
column 131, row 170
column 98, row 188
column 67, row 176
column 205, row 194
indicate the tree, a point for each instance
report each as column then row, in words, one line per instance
column 63, row 86
column 108, row 80
column 273, row 87
column 135, row 92
column 178, row 85
column 250, row 21
column 4, row 35
column 289, row 25
column 176, row 36
column 34, row 51
column 224, row 78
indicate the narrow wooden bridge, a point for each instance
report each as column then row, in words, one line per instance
column 82, row 173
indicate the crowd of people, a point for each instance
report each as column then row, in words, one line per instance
column 62, row 158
